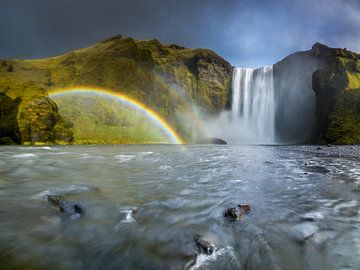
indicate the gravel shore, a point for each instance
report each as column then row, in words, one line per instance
column 351, row 151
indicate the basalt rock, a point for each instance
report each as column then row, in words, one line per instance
column 318, row 96
column 216, row 141
column 238, row 212
column 203, row 246
column 29, row 116
column 65, row 206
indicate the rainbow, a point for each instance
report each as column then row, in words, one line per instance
column 156, row 118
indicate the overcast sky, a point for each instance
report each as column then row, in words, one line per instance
column 245, row 32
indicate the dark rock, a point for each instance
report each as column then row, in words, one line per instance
column 114, row 38
column 177, row 47
column 9, row 126
column 64, row 206
column 203, row 246
column 236, row 213
column 10, row 68
column 317, row 169
column 319, row 148
column 216, row 141
column 295, row 97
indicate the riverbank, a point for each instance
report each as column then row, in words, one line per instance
column 350, row 151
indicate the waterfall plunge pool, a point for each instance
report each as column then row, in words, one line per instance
column 305, row 207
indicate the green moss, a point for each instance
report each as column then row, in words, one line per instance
column 168, row 79
column 344, row 122
column 102, row 120
column 28, row 114
column 353, row 80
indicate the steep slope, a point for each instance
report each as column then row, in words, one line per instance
column 295, row 117
column 337, row 88
column 169, row 79
column 28, row 115
column 318, row 96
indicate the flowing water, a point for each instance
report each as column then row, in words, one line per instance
column 253, row 105
column 305, row 207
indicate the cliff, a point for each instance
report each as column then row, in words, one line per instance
column 318, row 95
column 337, row 88
column 169, row 79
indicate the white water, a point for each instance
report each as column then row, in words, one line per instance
column 253, row 105
column 252, row 116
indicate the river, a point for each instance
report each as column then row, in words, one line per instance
column 305, row 209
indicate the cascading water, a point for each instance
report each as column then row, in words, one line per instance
column 253, row 105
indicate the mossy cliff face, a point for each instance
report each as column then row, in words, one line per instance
column 29, row 116
column 167, row 78
column 337, row 88
column 318, row 96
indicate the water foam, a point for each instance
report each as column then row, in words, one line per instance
column 203, row 260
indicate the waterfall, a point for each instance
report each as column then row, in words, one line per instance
column 253, row 105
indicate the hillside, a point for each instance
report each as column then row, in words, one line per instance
column 168, row 79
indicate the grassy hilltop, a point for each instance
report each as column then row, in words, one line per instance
column 169, row 79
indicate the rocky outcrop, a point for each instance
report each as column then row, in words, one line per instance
column 9, row 129
column 337, row 88
column 295, row 117
column 169, row 79
column 29, row 116
column 237, row 213
column 318, row 95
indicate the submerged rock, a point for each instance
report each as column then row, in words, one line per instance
column 304, row 231
column 64, row 206
column 312, row 216
column 236, row 213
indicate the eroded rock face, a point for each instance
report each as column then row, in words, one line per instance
column 29, row 116
column 337, row 88
column 295, row 119
column 9, row 128
column 318, row 94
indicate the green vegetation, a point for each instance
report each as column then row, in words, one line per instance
column 337, row 87
column 167, row 78
column 99, row 119
column 29, row 116
column 344, row 122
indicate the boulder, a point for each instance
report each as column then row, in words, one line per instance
column 64, row 206
column 238, row 212
column 203, row 246
column 216, row 141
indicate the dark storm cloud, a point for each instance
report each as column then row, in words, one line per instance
column 246, row 32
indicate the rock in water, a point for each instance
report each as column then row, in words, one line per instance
column 236, row 213
column 64, row 206
column 203, row 246
column 216, row 141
